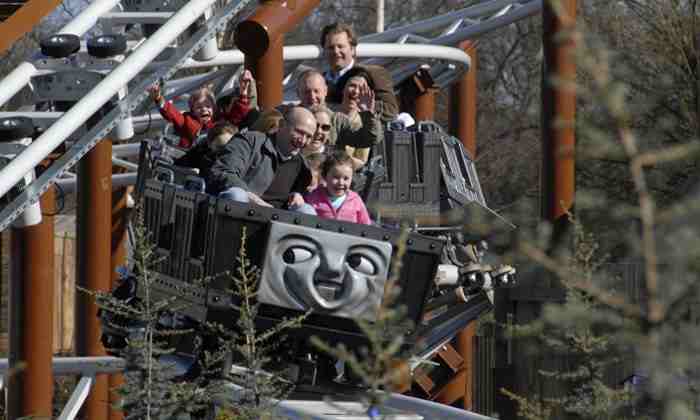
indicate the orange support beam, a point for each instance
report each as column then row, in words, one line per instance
column 271, row 20
column 425, row 105
column 31, row 316
column 268, row 71
column 94, row 262
column 120, row 220
column 24, row 20
column 462, row 124
column 261, row 38
column 462, row 103
column 559, row 113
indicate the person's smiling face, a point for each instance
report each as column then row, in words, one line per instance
column 313, row 91
column 323, row 131
column 338, row 180
column 296, row 131
column 339, row 52
column 203, row 110
column 351, row 93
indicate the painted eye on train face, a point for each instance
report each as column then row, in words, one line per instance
column 361, row 263
column 296, row 254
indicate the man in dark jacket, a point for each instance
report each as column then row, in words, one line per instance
column 339, row 44
column 267, row 171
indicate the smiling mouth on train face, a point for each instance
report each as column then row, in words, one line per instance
column 329, row 289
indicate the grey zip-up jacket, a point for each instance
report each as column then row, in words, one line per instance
column 249, row 161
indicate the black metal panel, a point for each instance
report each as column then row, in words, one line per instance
column 400, row 145
column 197, row 235
column 459, row 173
column 414, row 190
column 429, row 152
column 189, row 300
column 190, row 212
column 446, row 325
column 176, row 220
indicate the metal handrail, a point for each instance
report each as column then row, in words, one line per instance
column 89, row 367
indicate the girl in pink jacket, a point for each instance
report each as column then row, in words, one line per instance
column 335, row 200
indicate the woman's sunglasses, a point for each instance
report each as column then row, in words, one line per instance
column 324, row 127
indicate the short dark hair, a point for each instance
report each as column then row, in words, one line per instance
column 355, row 72
column 336, row 158
column 338, row 28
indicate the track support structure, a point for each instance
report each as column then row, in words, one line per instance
column 462, row 102
column 31, row 316
column 94, row 262
column 558, row 113
column 462, row 124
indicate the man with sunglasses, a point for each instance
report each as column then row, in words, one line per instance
column 267, row 170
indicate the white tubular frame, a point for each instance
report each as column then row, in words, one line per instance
column 311, row 52
column 20, row 76
column 88, row 17
column 103, row 92
column 473, row 12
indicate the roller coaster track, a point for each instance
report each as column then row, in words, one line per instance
column 402, row 50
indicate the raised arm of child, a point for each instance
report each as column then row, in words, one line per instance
column 186, row 128
column 239, row 108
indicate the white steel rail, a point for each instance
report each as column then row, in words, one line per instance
column 21, row 75
column 89, row 367
column 472, row 13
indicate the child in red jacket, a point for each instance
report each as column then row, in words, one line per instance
column 202, row 114
column 335, row 199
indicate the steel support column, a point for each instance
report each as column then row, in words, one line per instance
column 24, row 20
column 120, row 221
column 31, row 316
column 272, row 19
column 462, row 103
column 418, row 95
column 94, row 262
column 462, row 124
column 425, row 105
column 261, row 38
column 268, row 71
column 558, row 112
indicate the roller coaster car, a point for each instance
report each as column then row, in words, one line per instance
column 337, row 269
